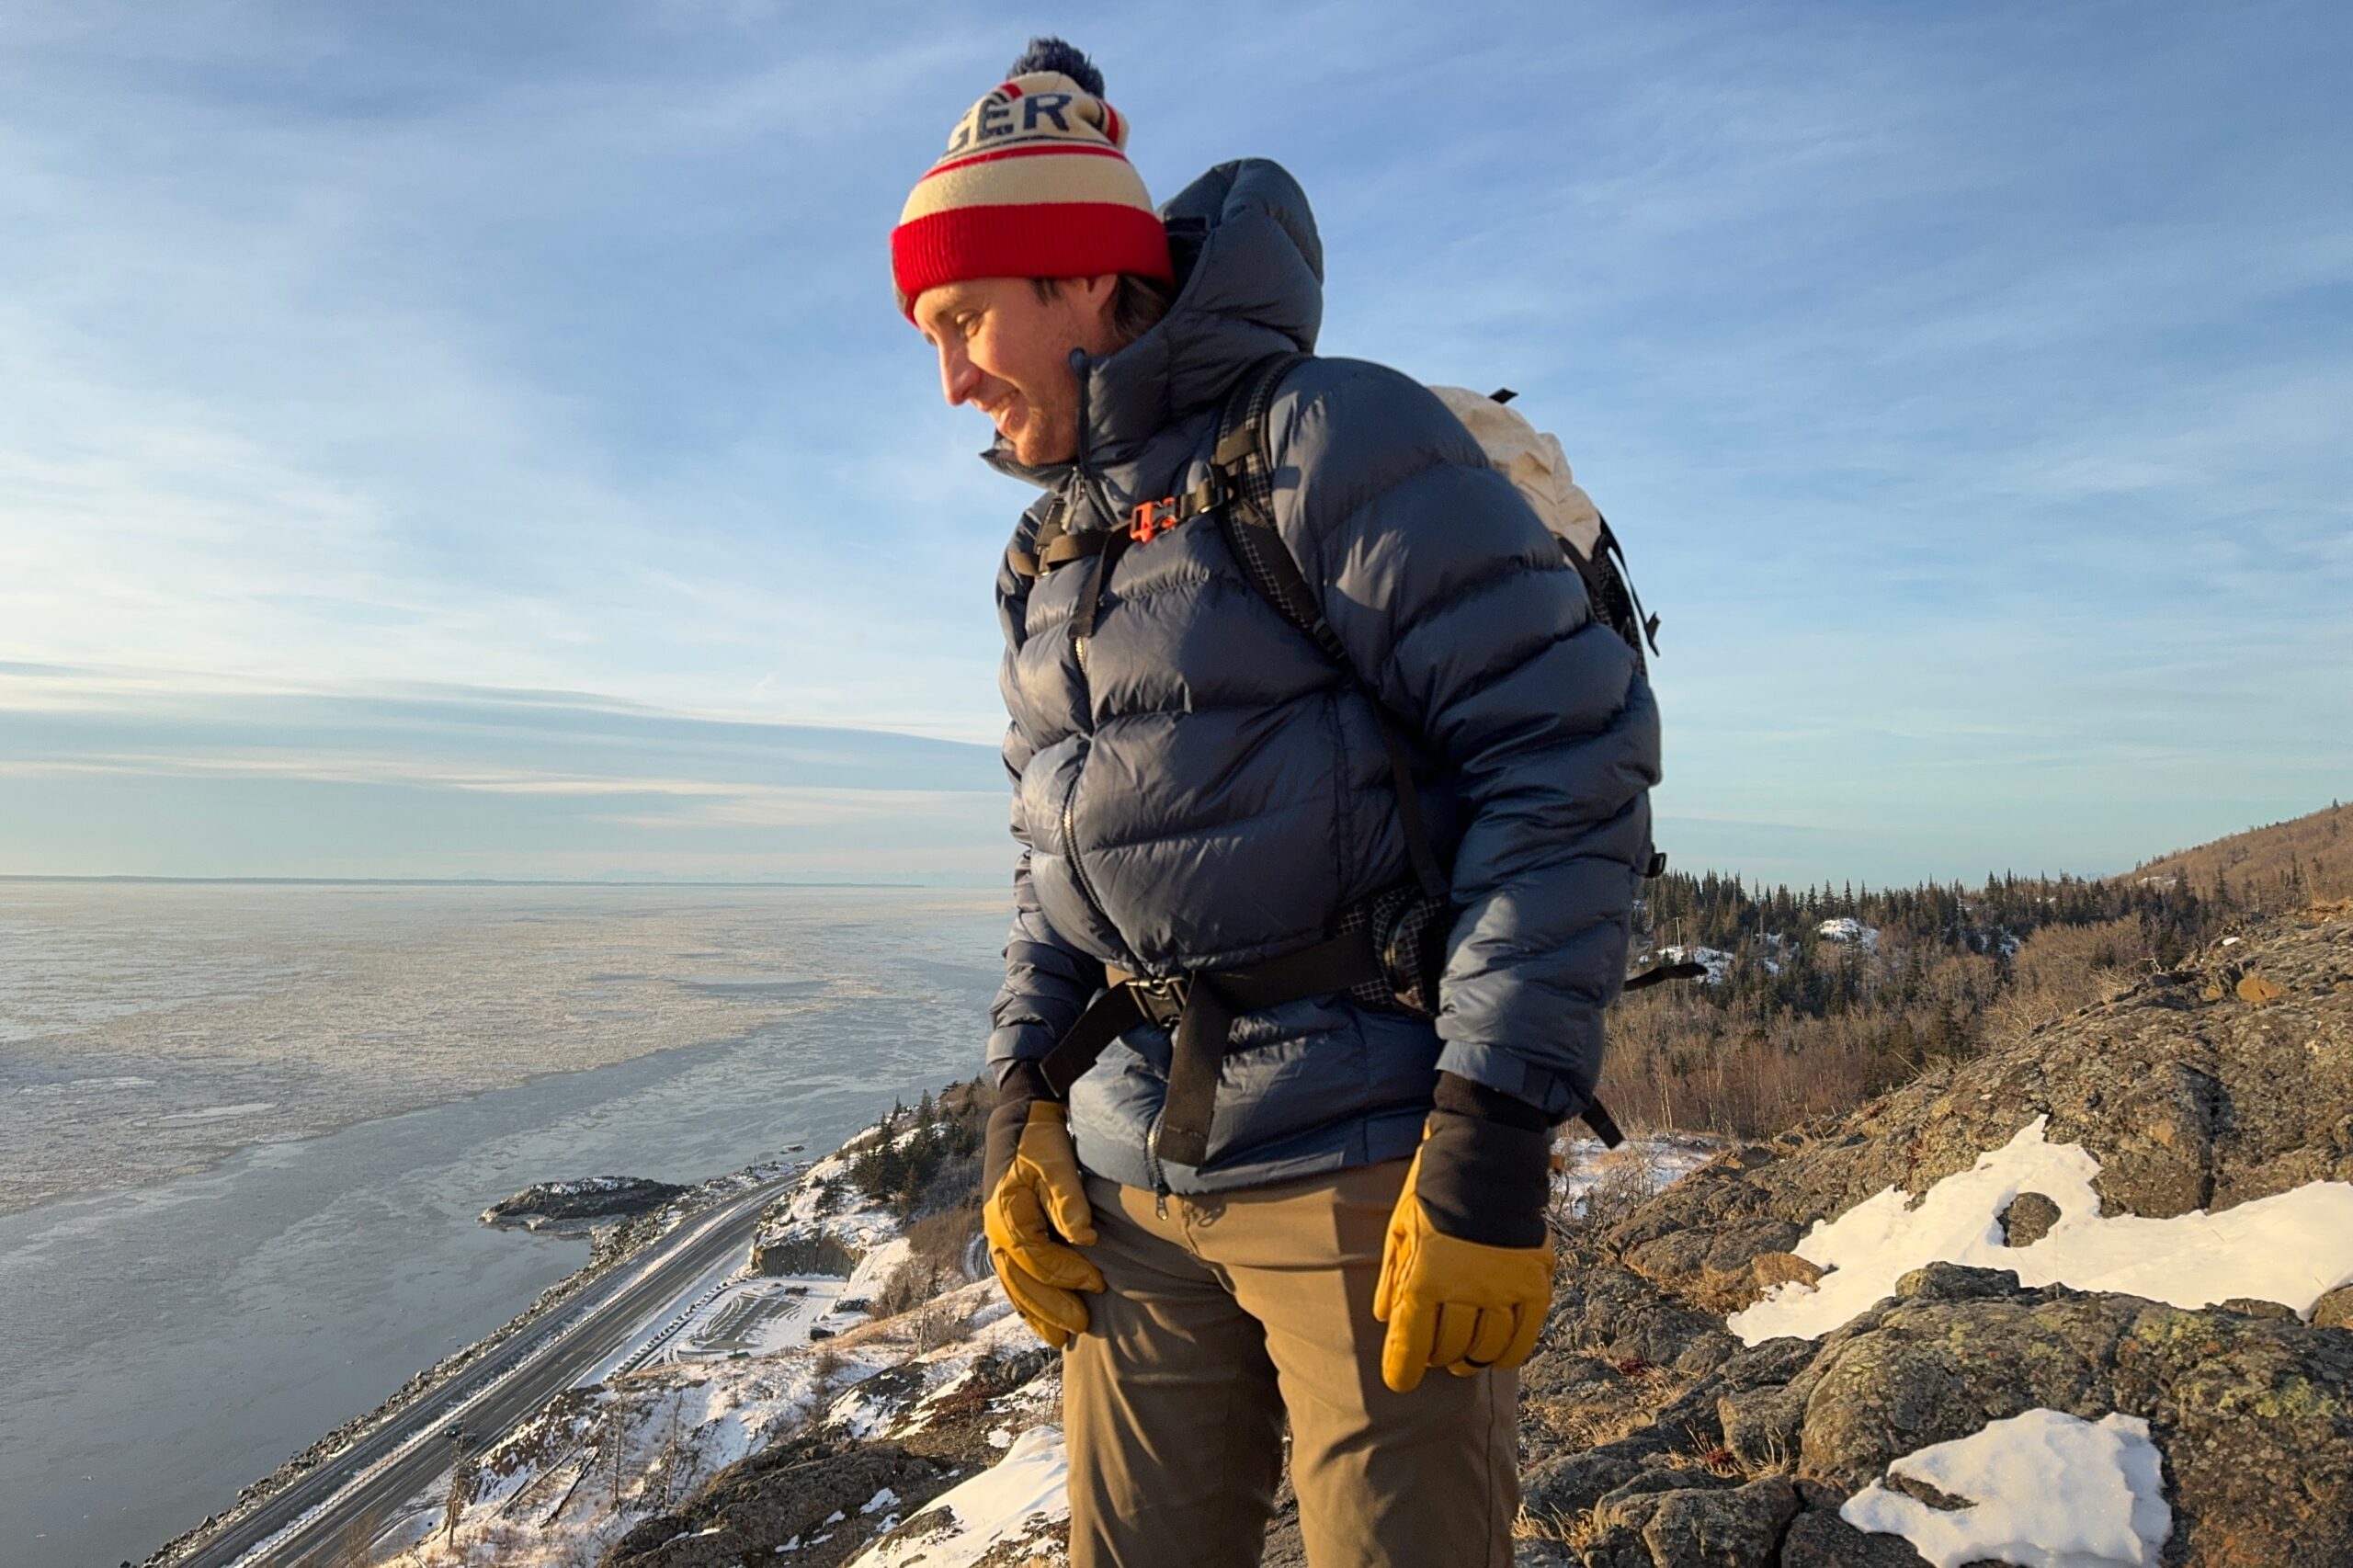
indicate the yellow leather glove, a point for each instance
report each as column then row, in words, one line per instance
column 1466, row 1268
column 1035, row 1214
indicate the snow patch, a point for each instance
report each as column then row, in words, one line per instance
column 1021, row 1494
column 2045, row 1489
column 1846, row 929
column 2292, row 1247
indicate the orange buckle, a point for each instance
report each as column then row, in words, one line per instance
column 1153, row 518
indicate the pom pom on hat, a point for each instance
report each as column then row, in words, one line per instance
column 1053, row 54
column 1035, row 182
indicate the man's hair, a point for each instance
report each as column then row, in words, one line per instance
column 1137, row 304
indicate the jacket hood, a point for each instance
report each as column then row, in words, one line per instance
column 1249, row 283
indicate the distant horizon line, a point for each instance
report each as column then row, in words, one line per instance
column 460, row 881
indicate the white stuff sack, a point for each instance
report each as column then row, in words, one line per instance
column 1533, row 462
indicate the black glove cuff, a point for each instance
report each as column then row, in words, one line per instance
column 1022, row 1087
column 1487, row 1182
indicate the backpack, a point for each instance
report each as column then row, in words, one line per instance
column 1538, row 468
column 1533, row 462
column 1404, row 927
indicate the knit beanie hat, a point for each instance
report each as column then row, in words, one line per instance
column 1035, row 182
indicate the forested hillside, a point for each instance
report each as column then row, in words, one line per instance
column 1820, row 997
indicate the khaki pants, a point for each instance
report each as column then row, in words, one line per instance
column 1220, row 1317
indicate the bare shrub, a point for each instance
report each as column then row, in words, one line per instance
column 2062, row 967
column 937, row 1244
column 1628, row 1177
column 939, row 1326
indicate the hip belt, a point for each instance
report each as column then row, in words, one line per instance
column 1200, row 1008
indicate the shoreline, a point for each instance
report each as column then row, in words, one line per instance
column 611, row 1247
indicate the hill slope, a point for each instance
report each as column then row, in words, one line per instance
column 2306, row 858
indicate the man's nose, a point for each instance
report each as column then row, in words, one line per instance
column 958, row 376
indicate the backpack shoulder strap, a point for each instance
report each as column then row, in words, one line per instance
column 1245, row 463
column 1611, row 591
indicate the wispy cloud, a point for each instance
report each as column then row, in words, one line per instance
column 1967, row 384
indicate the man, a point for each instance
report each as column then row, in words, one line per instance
column 1351, row 1202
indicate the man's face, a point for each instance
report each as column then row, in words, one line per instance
column 1007, row 352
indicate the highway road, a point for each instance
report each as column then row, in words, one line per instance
column 401, row 1457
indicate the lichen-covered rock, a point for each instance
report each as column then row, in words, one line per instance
column 2186, row 1104
column 791, row 1492
column 2188, row 1101
column 2028, row 1220
column 1564, row 1485
column 1704, row 1522
column 1822, row 1539
column 1701, row 1529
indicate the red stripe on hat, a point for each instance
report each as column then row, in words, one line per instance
column 1043, row 239
column 1110, row 123
column 1053, row 149
column 1011, row 90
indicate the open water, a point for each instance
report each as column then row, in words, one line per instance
column 292, row 1230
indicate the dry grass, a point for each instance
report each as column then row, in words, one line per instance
column 1594, row 1423
column 1624, row 1178
column 1575, row 1531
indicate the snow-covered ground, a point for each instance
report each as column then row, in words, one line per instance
column 2292, row 1247
column 1021, row 1497
column 731, row 1367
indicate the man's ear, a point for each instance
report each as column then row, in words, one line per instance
column 1093, row 298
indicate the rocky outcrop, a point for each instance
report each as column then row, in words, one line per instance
column 829, row 1495
column 804, row 1252
column 577, row 1206
column 1654, row 1437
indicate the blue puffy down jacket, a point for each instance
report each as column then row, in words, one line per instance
column 1196, row 786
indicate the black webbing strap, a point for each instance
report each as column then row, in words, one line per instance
column 1113, row 1013
column 1082, row 620
column 1197, row 1055
column 1199, row 1009
column 1605, row 1127
column 1070, row 547
column 1660, row 973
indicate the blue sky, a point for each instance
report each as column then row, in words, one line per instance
column 476, row 439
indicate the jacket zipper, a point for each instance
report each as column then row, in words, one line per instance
column 1070, row 852
column 1080, row 479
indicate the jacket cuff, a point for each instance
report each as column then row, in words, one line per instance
column 1462, row 1097
column 1497, row 1070
column 1012, row 1044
